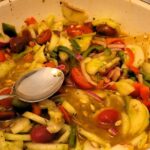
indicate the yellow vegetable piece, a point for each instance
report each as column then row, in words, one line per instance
column 124, row 87
column 93, row 66
column 84, row 42
column 72, row 14
column 107, row 21
column 35, row 118
column 125, row 124
column 19, row 125
column 138, row 115
column 39, row 56
column 6, row 67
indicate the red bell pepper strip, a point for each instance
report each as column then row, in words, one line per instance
column 36, row 109
column 79, row 79
column 141, row 91
column 65, row 113
column 50, row 64
column 30, row 20
column 114, row 40
column 2, row 56
column 7, row 103
column 136, row 91
column 7, row 114
column 144, row 93
column 130, row 62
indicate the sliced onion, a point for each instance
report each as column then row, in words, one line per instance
column 94, row 95
column 79, row 57
column 99, row 42
column 88, row 78
column 119, row 46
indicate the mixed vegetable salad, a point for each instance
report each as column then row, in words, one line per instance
column 104, row 102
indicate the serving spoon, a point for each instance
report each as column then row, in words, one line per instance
column 37, row 85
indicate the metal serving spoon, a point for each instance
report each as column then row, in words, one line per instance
column 37, row 85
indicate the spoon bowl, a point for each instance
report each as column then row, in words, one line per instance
column 37, row 85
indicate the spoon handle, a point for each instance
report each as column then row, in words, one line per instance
column 6, row 96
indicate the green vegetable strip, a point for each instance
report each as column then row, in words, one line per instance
column 107, row 51
column 121, row 55
column 75, row 45
column 72, row 137
column 66, row 50
column 92, row 48
column 146, row 83
column 9, row 29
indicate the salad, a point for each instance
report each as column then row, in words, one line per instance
column 104, row 102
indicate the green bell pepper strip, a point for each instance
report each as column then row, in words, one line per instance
column 72, row 137
column 75, row 45
column 92, row 48
column 66, row 50
column 9, row 30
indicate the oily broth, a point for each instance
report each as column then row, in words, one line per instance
column 14, row 74
column 85, row 117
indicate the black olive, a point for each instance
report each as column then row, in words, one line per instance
column 105, row 30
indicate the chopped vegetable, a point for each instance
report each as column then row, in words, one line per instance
column 39, row 134
column 30, row 21
column 36, row 109
column 79, row 79
column 72, row 14
column 2, row 56
column 44, row 37
column 9, row 29
column 72, row 137
column 35, row 118
column 66, row 115
column 92, row 48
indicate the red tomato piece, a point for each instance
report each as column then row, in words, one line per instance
column 108, row 117
column 30, row 20
column 77, row 30
column 44, row 37
column 79, row 79
column 40, row 134
column 2, row 56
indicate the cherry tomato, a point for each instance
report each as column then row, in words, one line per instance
column 40, row 134
column 77, row 30
column 2, row 56
column 108, row 117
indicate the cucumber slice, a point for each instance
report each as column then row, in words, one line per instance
column 138, row 115
column 9, row 30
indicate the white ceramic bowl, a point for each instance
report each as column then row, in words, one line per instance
column 133, row 15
